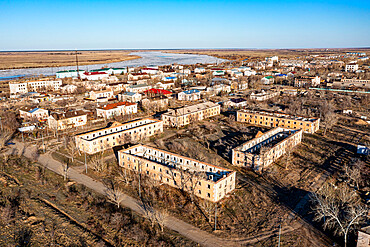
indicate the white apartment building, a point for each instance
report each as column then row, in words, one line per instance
column 351, row 67
column 25, row 87
column 117, row 134
column 65, row 120
column 189, row 114
column 108, row 93
column 69, row 74
column 116, row 109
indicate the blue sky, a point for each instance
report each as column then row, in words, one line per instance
column 43, row 25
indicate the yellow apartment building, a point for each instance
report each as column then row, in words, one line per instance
column 198, row 178
column 266, row 148
column 276, row 119
column 185, row 115
column 117, row 134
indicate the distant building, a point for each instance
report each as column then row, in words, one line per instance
column 138, row 88
column 66, row 120
column 129, row 97
column 309, row 81
column 69, row 74
column 363, row 239
column 266, row 148
column 95, row 95
column 351, row 67
column 189, row 95
column 201, row 179
column 236, row 102
column 39, row 85
column 353, row 82
column 111, row 71
column 277, row 119
column 185, row 115
column 116, row 109
column 28, row 113
column 68, row 89
column 263, row 95
column 117, row 134
column 94, row 76
column 268, row 80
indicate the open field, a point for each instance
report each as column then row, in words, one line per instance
column 240, row 54
column 39, row 59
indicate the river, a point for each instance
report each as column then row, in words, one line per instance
column 147, row 58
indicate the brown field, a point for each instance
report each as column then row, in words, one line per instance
column 38, row 59
column 240, row 54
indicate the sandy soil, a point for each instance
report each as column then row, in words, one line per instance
column 39, row 59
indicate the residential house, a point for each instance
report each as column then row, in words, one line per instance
column 189, row 95
column 129, row 97
column 268, row 80
column 66, row 120
column 263, row 95
column 116, row 109
column 29, row 113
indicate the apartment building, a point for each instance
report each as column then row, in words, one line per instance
column 65, row 120
column 263, row 95
column 310, row 81
column 185, row 115
column 198, row 178
column 69, row 74
column 38, row 85
column 108, row 94
column 29, row 113
column 117, row 134
column 353, row 82
column 277, row 119
column 116, row 109
column 352, row 67
column 266, row 148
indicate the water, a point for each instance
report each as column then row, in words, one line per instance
column 147, row 58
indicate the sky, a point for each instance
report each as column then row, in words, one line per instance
column 114, row 24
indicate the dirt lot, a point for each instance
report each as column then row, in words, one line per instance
column 38, row 208
column 18, row 60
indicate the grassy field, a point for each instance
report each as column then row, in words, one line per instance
column 38, row 59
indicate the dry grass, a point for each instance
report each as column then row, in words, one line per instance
column 18, row 60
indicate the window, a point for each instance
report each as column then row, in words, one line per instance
column 208, row 195
column 208, row 186
column 199, row 192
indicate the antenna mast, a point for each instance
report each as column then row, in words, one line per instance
column 78, row 72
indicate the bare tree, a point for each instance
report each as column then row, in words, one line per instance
column 209, row 208
column 328, row 115
column 97, row 163
column 65, row 170
column 113, row 192
column 72, row 148
column 339, row 209
column 353, row 172
column 161, row 217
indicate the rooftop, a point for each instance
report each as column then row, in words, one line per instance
column 279, row 115
column 190, row 109
column 116, row 105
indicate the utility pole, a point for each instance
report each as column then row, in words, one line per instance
column 78, row 72
column 42, row 138
column 85, row 163
column 1, row 123
column 279, row 234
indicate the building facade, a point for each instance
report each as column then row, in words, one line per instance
column 276, row 119
column 25, row 87
column 266, row 148
column 198, row 178
column 189, row 114
column 116, row 109
column 66, row 120
column 262, row 96
column 351, row 67
column 117, row 134
column 28, row 113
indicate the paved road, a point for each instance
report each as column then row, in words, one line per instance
column 185, row 229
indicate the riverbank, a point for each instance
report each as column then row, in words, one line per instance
column 43, row 59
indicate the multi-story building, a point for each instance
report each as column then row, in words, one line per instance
column 311, row 81
column 65, row 120
column 352, row 67
column 262, row 96
column 266, row 148
column 38, row 85
column 108, row 94
column 277, row 119
column 139, row 88
column 188, row 114
column 353, row 82
column 117, row 134
column 198, row 178
column 116, row 109
column 69, row 74
column 29, row 113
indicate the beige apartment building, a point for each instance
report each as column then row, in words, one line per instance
column 185, row 115
column 198, row 178
column 117, row 134
column 277, row 119
column 266, row 148
column 65, row 120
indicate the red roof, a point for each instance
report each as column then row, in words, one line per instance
column 95, row 73
column 115, row 105
column 157, row 91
